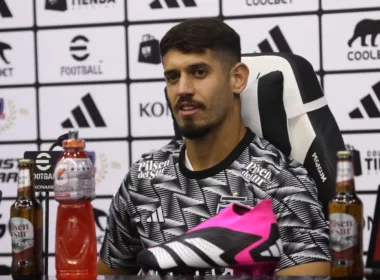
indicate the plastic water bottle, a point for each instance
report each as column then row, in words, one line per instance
column 74, row 189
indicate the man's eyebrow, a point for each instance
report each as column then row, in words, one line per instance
column 169, row 71
column 200, row 64
column 189, row 67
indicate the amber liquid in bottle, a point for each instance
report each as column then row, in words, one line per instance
column 346, row 223
column 26, row 227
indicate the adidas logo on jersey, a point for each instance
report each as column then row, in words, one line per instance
column 256, row 174
column 150, row 169
column 157, row 216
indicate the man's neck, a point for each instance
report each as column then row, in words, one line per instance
column 213, row 148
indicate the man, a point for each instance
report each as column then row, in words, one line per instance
column 204, row 78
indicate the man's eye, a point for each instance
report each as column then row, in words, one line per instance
column 200, row 72
column 172, row 77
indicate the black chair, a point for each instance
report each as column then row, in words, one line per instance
column 285, row 104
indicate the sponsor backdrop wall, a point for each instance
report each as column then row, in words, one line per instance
column 95, row 65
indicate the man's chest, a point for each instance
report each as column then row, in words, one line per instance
column 169, row 202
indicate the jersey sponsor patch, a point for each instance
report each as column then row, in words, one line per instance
column 150, row 169
column 256, row 174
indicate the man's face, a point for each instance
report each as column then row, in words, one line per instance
column 199, row 91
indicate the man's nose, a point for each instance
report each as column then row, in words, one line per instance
column 185, row 86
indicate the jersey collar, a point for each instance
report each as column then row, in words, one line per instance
column 186, row 168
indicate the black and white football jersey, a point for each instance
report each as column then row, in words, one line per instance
column 161, row 197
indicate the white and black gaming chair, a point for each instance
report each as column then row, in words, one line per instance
column 284, row 104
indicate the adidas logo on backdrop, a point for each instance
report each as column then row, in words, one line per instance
column 156, row 4
column 278, row 39
column 81, row 119
column 369, row 105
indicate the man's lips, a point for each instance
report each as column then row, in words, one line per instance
column 186, row 109
column 188, row 112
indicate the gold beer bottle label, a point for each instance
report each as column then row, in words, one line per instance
column 22, row 232
column 344, row 238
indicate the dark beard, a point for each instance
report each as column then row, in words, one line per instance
column 193, row 132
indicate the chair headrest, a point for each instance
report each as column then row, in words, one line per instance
column 287, row 83
column 285, row 104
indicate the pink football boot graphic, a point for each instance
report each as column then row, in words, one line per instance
column 244, row 239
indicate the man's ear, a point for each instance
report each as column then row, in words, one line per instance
column 239, row 77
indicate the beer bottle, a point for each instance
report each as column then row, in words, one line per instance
column 346, row 223
column 26, row 227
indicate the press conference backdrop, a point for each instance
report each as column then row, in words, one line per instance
column 94, row 65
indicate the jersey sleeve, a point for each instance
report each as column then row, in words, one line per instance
column 304, row 229
column 121, row 242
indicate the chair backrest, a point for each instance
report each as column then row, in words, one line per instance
column 285, row 104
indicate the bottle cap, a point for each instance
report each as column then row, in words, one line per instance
column 344, row 154
column 73, row 141
column 25, row 163
column 73, row 134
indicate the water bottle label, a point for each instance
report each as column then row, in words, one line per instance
column 22, row 233
column 74, row 180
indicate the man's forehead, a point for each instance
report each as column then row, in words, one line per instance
column 177, row 60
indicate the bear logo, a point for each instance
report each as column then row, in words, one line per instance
column 363, row 28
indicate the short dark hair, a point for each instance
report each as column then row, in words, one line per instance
column 198, row 34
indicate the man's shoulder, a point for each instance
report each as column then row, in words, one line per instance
column 288, row 182
column 271, row 155
column 260, row 147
